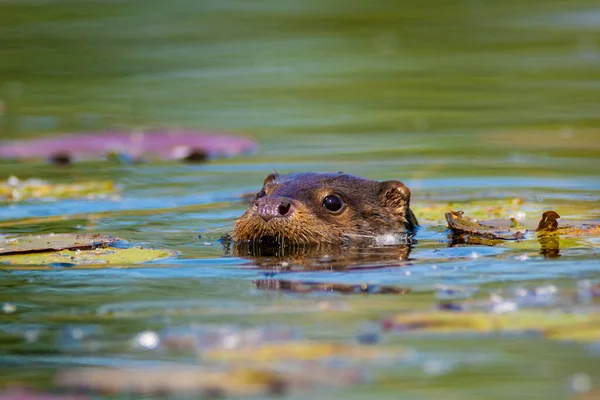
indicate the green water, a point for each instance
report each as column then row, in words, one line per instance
column 463, row 101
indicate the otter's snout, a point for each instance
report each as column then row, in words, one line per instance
column 268, row 208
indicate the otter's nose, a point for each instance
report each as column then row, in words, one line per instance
column 269, row 208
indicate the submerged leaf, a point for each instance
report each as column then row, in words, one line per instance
column 133, row 146
column 15, row 190
column 53, row 242
column 102, row 256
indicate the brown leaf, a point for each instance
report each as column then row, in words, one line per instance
column 461, row 225
column 548, row 222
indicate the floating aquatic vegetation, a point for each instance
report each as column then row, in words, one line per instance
column 550, row 235
column 70, row 250
column 15, row 189
column 177, row 379
column 54, row 242
column 560, row 325
column 18, row 393
column 88, row 258
column 549, row 222
column 134, row 146
column 191, row 380
column 299, row 350
column 462, row 225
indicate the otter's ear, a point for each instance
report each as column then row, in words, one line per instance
column 270, row 179
column 394, row 194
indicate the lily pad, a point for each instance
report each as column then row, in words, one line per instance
column 17, row 393
column 132, row 146
column 296, row 350
column 188, row 380
column 101, row 256
column 175, row 379
column 53, row 242
column 553, row 325
column 15, row 189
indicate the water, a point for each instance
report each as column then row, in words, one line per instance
column 469, row 103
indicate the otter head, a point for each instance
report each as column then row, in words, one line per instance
column 315, row 208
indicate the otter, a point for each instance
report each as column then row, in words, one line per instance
column 324, row 209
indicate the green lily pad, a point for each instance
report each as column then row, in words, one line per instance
column 297, row 350
column 97, row 257
column 14, row 189
column 53, row 242
column 553, row 325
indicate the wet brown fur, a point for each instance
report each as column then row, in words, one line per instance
column 372, row 208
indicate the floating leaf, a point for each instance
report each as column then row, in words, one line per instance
column 103, row 256
column 14, row 189
column 175, row 379
column 133, row 146
column 186, row 380
column 585, row 230
column 554, row 325
column 548, row 222
column 461, row 225
column 53, row 242
column 295, row 350
column 30, row 394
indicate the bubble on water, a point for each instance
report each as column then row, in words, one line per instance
column 77, row 333
column 31, row 335
column 580, row 382
column 505, row 307
column 519, row 215
column 9, row 308
column 407, row 273
column 231, row 341
column 521, row 292
column 474, row 255
column 147, row 339
column 495, row 298
column 522, row 257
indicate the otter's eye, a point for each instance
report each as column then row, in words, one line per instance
column 260, row 194
column 333, row 203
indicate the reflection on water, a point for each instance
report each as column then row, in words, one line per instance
column 323, row 257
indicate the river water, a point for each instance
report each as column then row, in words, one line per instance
column 467, row 102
